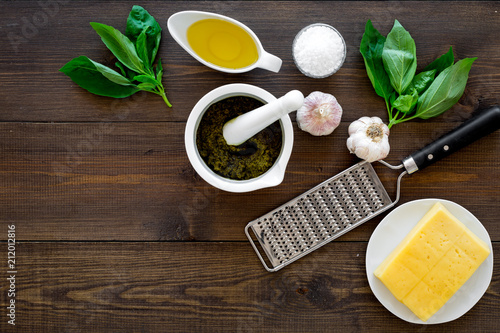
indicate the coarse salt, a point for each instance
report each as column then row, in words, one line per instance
column 319, row 51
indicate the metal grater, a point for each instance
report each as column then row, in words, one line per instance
column 319, row 215
column 350, row 198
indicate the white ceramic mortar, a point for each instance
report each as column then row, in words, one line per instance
column 272, row 177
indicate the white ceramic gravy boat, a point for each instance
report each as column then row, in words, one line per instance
column 179, row 23
column 272, row 177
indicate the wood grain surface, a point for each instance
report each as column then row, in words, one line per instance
column 115, row 230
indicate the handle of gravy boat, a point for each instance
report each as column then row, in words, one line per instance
column 269, row 62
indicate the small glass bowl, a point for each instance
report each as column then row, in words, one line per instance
column 335, row 69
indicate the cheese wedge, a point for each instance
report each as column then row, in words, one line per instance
column 432, row 262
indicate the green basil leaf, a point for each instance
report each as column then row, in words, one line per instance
column 137, row 21
column 421, row 81
column 154, row 52
column 400, row 57
column 121, row 67
column 159, row 71
column 445, row 91
column 406, row 103
column 441, row 63
column 147, row 86
column 371, row 47
column 87, row 75
column 120, row 46
column 145, row 79
column 392, row 98
column 141, row 47
column 125, row 71
column 112, row 75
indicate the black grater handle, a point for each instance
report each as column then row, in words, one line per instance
column 480, row 124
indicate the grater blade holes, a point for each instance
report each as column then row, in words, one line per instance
column 321, row 214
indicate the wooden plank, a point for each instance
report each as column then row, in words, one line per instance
column 133, row 181
column 207, row 287
column 115, row 230
column 33, row 89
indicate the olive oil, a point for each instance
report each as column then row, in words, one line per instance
column 222, row 43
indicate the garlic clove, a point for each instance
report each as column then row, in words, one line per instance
column 320, row 114
column 358, row 125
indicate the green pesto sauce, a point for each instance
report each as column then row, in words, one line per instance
column 246, row 161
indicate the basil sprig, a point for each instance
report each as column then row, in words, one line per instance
column 391, row 65
column 135, row 52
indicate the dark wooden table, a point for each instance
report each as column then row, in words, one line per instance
column 114, row 230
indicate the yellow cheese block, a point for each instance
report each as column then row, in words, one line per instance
column 432, row 262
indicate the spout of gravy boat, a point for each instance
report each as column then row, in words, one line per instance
column 179, row 23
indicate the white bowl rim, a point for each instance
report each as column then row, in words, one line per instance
column 272, row 177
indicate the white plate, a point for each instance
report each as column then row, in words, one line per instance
column 391, row 231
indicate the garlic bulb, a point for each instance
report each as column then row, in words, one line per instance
column 369, row 139
column 320, row 114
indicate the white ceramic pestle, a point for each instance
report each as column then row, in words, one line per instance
column 240, row 129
